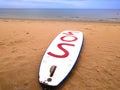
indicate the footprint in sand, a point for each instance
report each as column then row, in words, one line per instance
column 1, row 44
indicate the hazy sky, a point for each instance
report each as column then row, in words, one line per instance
column 88, row 4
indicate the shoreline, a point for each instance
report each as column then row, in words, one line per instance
column 84, row 21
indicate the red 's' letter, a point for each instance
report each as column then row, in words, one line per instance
column 66, row 53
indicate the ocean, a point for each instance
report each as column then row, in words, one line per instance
column 105, row 15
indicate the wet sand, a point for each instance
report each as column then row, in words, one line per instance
column 23, row 43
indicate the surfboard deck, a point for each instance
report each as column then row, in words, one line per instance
column 60, row 57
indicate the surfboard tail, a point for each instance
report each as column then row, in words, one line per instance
column 46, row 87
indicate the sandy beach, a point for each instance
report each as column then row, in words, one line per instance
column 23, row 43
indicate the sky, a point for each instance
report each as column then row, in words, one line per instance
column 81, row 4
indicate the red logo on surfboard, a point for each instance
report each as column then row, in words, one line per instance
column 69, row 37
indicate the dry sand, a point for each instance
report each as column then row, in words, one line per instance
column 23, row 43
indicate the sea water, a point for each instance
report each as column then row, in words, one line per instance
column 109, row 15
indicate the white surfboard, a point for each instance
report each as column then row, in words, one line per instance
column 60, row 57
